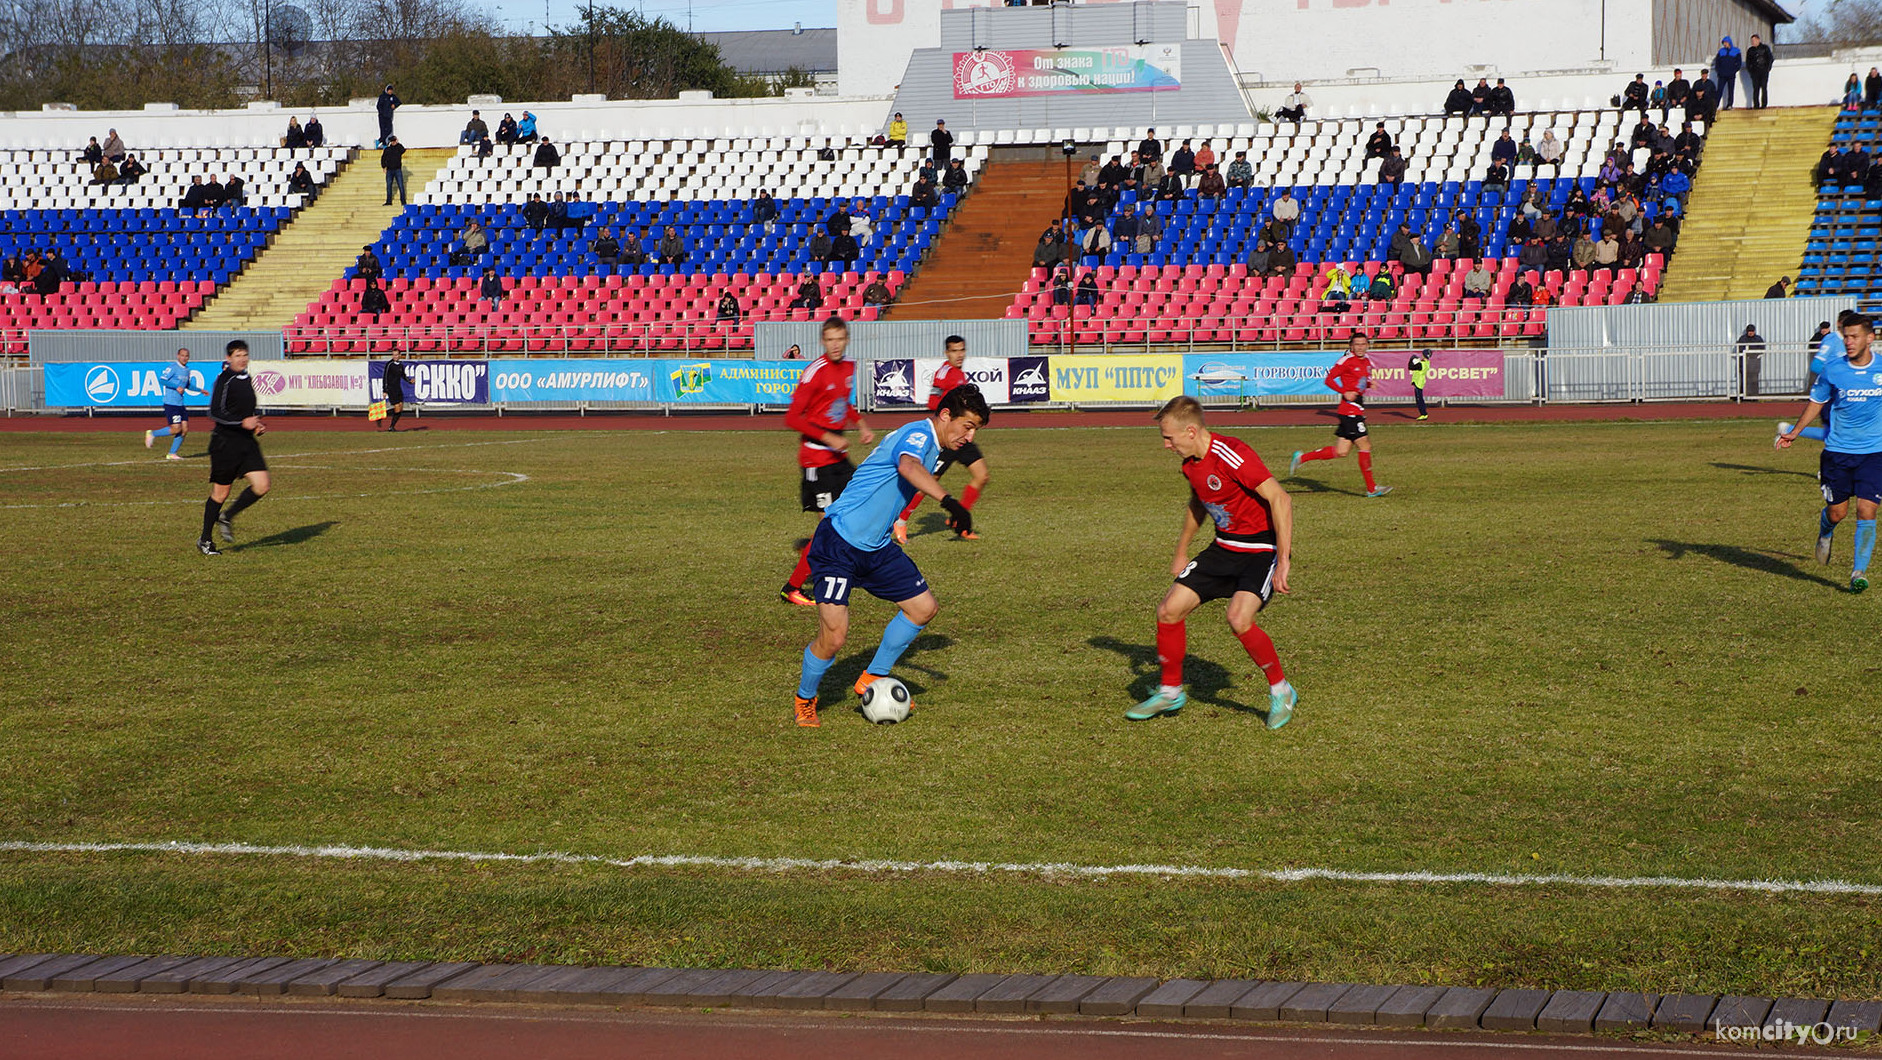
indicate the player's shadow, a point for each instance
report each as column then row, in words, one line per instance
column 1779, row 563
column 1207, row 681
column 1298, row 484
column 1749, row 469
column 931, row 523
column 847, row 668
column 300, row 535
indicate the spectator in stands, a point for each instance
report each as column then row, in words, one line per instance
column 1607, row 253
column 765, row 210
column 862, row 226
column 1113, row 172
column 1383, row 287
column 1676, row 184
column 526, row 129
column 1459, row 102
column 474, row 130
column 52, row 273
column 1205, row 156
column 898, row 131
column 838, row 223
column 1337, row 297
column 1447, row 245
column 672, row 250
column 1480, row 97
column 1240, row 173
column 1379, row 144
column 373, row 300
column 1705, row 98
column 1286, row 210
column 1642, row 136
column 1521, row 291
column 1502, row 99
column 104, row 173
column 1497, row 179
column 1549, row 152
column 1096, row 240
column 1087, row 289
column 473, row 243
column 809, row 294
column 535, row 211
column 1657, row 98
column 1261, row 258
column 483, row 148
column 878, row 293
column 1062, row 286
column 92, row 155
column 490, row 289
column 1478, row 282
column 1547, row 227
column 1758, row 70
column 1401, row 241
column 1750, row 349
column 728, row 308
column 1045, row 253
column 506, row 129
column 795, row 353
column 1633, row 251
column 1660, row 239
column 1150, row 149
column 1503, row 149
column 367, row 266
column 113, row 147
column 1183, row 161
column 633, row 249
column 1281, row 261
column 313, row 132
column 941, row 144
column 392, row 160
column 1578, row 204
column 1149, row 229
column 607, row 248
column 1678, row 92
column 1392, row 170
column 845, row 249
column 547, row 157
column 1088, row 174
column 1728, row 62
column 296, row 137
column 1582, row 255
column 386, row 104
column 1169, row 189
column 234, row 191
column 821, row 245
column 1294, row 107
column 1634, row 96
column 1562, row 253
column 956, row 178
column 196, row 197
column 1688, row 144
column 1212, row 186
column 1417, row 256
column 13, row 272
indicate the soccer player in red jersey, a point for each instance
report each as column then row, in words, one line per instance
column 1350, row 378
column 1245, row 564
column 951, row 375
column 820, row 412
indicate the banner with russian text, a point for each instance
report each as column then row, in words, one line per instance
column 309, row 383
column 991, row 74
column 1141, row 378
column 116, row 384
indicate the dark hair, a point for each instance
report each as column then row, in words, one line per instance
column 835, row 323
column 1849, row 318
column 234, row 344
column 964, row 399
column 953, row 340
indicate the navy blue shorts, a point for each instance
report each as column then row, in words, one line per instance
column 176, row 414
column 836, row 567
column 1846, row 475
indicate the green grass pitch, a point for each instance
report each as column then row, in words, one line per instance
column 1568, row 649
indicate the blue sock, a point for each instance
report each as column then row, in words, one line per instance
column 1865, row 542
column 176, row 442
column 165, row 433
column 1824, row 527
column 895, row 640
column 814, row 669
column 1817, row 433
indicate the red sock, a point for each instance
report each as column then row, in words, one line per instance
column 1325, row 452
column 914, row 503
column 801, row 573
column 1365, row 470
column 969, row 496
column 1172, row 645
column 1261, row 649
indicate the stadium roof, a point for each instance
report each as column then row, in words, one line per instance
column 1773, row 10
column 773, row 51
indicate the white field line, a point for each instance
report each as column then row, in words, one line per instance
column 158, row 461
column 508, row 478
column 971, row 868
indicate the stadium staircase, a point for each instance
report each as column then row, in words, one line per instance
column 1752, row 205
column 322, row 242
column 986, row 253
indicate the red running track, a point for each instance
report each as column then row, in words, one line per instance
column 1286, row 417
column 162, row 1029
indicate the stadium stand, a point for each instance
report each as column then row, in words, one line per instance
column 560, row 296
column 1844, row 252
column 1192, row 285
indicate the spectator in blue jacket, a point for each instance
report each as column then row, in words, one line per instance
column 1726, row 64
column 526, row 129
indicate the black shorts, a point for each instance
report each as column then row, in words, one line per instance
column 823, row 485
column 1352, row 428
column 395, row 397
column 967, row 456
column 1219, row 573
column 233, row 454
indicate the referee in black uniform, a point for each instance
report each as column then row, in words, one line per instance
column 395, row 391
column 234, row 448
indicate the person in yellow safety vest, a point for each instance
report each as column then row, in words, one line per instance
column 1419, row 368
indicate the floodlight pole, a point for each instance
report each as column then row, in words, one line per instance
column 267, row 46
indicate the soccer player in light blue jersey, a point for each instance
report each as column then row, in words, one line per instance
column 1829, row 349
column 177, row 386
column 1851, row 465
column 853, row 549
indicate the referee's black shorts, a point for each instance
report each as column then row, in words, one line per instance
column 233, row 454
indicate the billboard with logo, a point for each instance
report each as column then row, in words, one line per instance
column 437, row 382
column 1453, row 374
column 991, row 74
column 908, row 382
column 309, row 383
column 115, row 384
column 1027, row 380
column 1140, row 378
column 569, row 382
column 727, row 382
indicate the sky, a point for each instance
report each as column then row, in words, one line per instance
column 707, row 15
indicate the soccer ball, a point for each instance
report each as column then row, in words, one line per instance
column 885, row 701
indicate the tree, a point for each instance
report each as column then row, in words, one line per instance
column 1842, row 22
column 629, row 56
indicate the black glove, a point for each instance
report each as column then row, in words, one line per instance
column 960, row 518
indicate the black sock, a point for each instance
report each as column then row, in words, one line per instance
column 394, row 425
column 211, row 508
column 248, row 497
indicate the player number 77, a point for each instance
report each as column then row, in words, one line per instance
column 834, row 588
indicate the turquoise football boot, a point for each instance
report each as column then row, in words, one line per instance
column 1281, row 707
column 1160, row 703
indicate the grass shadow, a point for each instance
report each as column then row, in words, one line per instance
column 843, row 673
column 300, row 535
column 1207, row 681
column 1778, row 563
column 1749, row 469
column 1301, row 484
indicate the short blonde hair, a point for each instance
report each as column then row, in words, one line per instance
column 1181, row 409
